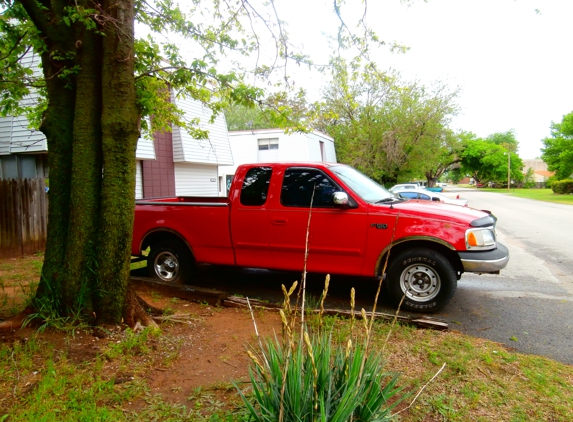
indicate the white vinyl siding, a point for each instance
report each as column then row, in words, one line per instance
column 15, row 136
column 314, row 153
column 145, row 149
column 214, row 150
column 138, row 180
column 196, row 180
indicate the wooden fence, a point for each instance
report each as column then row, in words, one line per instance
column 23, row 217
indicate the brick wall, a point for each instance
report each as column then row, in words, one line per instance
column 159, row 174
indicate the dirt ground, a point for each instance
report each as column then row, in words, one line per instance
column 210, row 346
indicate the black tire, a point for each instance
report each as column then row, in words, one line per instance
column 424, row 277
column 170, row 261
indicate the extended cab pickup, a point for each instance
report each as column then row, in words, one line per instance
column 354, row 225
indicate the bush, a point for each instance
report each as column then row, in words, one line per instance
column 549, row 182
column 307, row 378
column 313, row 381
column 562, row 187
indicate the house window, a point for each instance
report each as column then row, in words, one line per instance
column 321, row 143
column 268, row 143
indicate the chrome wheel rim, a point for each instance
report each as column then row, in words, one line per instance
column 420, row 283
column 166, row 266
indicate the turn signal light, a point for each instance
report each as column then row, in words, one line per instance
column 472, row 241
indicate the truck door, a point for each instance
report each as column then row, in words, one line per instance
column 337, row 238
column 250, row 220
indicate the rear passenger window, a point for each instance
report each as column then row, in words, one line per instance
column 256, row 186
column 411, row 195
column 298, row 185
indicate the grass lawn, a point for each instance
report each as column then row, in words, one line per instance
column 546, row 195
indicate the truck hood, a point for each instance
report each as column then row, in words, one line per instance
column 428, row 209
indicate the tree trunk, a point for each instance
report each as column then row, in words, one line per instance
column 92, row 127
column 57, row 125
column 120, row 131
column 86, row 178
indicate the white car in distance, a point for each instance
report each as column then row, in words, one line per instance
column 429, row 196
column 402, row 186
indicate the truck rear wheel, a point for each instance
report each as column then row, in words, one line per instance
column 170, row 261
column 425, row 278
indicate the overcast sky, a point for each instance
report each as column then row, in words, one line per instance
column 512, row 63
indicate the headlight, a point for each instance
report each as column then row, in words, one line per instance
column 480, row 238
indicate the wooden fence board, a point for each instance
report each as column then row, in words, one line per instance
column 23, row 217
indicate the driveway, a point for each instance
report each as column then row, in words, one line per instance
column 529, row 306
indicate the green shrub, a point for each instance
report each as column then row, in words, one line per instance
column 321, row 383
column 310, row 379
column 562, row 187
column 549, row 182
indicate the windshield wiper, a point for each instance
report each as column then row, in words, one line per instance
column 388, row 200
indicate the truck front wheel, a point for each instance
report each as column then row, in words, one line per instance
column 425, row 278
column 170, row 261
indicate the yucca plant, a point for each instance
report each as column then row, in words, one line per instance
column 316, row 381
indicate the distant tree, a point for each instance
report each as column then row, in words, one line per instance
column 387, row 128
column 529, row 178
column 558, row 151
column 240, row 117
column 505, row 139
column 486, row 159
column 265, row 112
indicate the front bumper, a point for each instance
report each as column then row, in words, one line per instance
column 491, row 262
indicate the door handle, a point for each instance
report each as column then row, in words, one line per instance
column 280, row 221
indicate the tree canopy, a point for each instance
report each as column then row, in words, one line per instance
column 486, row 160
column 390, row 129
column 558, row 151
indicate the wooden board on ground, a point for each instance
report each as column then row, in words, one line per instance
column 421, row 321
column 220, row 298
column 181, row 291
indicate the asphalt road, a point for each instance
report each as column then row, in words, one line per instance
column 528, row 307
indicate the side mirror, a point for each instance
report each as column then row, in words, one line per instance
column 340, row 198
column 435, row 199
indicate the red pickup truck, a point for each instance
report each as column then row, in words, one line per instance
column 354, row 224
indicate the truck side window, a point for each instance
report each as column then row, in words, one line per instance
column 256, row 186
column 298, row 185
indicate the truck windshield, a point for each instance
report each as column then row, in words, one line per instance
column 366, row 188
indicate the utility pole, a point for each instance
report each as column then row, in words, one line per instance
column 508, row 168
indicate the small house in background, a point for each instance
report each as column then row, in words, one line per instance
column 540, row 172
column 274, row 145
column 174, row 163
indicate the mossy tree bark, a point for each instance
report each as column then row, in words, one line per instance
column 120, row 122
column 91, row 125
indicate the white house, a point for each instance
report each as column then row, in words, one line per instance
column 22, row 151
column 196, row 162
column 274, row 145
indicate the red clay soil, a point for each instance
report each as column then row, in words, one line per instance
column 211, row 346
